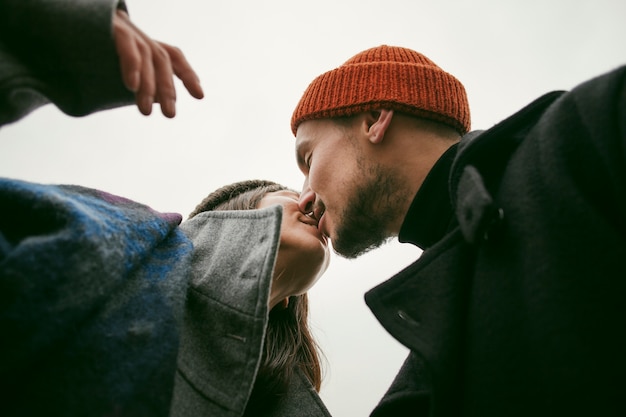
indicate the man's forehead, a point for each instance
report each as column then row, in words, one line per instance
column 302, row 147
column 300, row 153
column 301, row 144
column 305, row 135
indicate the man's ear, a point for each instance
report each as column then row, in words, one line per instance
column 377, row 124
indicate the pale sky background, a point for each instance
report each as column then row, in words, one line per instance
column 255, row 58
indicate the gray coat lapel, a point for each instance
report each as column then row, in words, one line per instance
column 226, row 310
column 226, row 315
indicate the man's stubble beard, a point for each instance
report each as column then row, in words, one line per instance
column 374, row 204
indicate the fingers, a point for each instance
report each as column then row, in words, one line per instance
column 145, row 94
column 135, row 61
column 148, row 68
column 184, row 71
column 126, row 47
column 165, row 93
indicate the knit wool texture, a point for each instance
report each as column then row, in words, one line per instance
column 386, row 77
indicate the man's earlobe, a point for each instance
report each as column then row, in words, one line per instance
column 381, row 121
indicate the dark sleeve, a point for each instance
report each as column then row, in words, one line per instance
column 59, row 51
column 92, row 289
column 410, row 392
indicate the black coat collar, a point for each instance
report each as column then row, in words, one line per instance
column 428, row 218
column 432, row 213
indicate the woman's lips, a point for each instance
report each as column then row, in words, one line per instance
column 310, row 220
column 320, row 225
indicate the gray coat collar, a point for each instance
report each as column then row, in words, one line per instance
column 226, row 315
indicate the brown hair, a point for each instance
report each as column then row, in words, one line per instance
column 288, row 340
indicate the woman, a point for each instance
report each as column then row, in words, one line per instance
column 108, row 307
column 96, row 304
column 289, row 373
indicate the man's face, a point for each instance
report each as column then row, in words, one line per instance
column 351, row 195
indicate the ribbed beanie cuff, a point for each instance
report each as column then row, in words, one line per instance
column 386, row 77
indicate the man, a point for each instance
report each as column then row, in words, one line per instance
column 515, row 306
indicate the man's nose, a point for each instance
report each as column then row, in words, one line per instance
column 307, row 198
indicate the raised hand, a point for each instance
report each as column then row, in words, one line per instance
column 148, row 67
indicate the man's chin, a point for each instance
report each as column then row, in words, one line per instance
column 354, row 248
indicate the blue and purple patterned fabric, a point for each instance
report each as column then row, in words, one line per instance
column 92, row 289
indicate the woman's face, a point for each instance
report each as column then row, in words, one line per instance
column 303, row 255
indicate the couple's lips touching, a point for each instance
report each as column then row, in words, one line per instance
column 320, row 225
column 316, row 219
column 320, row 230
column 318, row 214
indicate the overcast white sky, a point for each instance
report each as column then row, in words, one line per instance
column 255, row 58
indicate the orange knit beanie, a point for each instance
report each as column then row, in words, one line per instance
column 386, row 77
